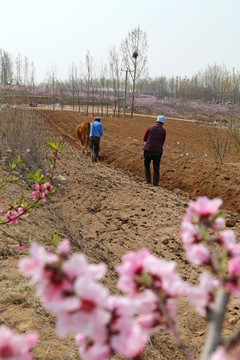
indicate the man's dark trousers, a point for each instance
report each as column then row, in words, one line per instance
column 94, row 144
column 156, row 158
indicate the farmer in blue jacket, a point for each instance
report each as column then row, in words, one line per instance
column 96, row 132
column 153, row 149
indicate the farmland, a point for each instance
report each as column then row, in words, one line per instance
column 106, row 210
column 187, row 166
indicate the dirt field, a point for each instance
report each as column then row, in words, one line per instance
column 196, row 174
column 107, row 211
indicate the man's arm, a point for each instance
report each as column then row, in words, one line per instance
column 146, row 135
column 164, row 137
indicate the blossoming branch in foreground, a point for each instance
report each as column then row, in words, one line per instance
column 223, row 354
column 22, row 209
column 12, row 215
column 41, row 191
column 104, row 324
column 14, row 346
column 69, row 288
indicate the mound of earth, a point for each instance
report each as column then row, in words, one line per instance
column 107, row 211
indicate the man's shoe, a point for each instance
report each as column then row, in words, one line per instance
column 147, row 183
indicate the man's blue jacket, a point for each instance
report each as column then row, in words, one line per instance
column 96, row 129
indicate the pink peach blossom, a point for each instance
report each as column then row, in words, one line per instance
column 222, row 354
column 233, row 270
column 14, row 346
column 205, row 207
column 197, row 254
column 201, row 296
column 22, row 247
column 131, row 266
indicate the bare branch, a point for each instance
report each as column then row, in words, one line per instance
column 215, row 317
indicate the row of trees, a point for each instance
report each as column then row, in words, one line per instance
column 215, row 85
column 130, row 58
column 19, row 71
column 124, row 75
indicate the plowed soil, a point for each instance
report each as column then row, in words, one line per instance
column 106, row 210
column 187, row 166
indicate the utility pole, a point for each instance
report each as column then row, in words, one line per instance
column 134, row 55
column 125, row 93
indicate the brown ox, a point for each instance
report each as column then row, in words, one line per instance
column 83, row 131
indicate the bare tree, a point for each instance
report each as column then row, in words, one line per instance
column 134, row 49
column 32, row 81
column 26, row 71
column 52, row 83
column 235, row 86
column 18, row 69
column 78, row 84
column 115, row 72
column 72, row 82
column 211, row 78
column 88, row 76
column 6, row 68
column 102, row 83
column 172, row 86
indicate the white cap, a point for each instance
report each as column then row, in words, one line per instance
column 161, row 119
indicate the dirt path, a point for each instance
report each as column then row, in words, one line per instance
column 110, row 111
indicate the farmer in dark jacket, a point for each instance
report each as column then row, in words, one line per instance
column 153, row 149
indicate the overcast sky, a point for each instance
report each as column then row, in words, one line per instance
column 184, row 36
